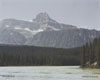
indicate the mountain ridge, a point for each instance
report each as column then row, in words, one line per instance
column 45, row 32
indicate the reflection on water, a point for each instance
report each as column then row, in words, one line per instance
column 48, row 73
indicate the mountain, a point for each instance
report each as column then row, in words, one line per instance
column 64, row 38
column 45, row 32
column 48, row 24
column 8, row 36
column 24, row 27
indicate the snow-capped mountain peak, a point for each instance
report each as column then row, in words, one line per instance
column 47, row 23
column 44, row 31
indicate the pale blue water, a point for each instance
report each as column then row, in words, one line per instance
column 48, row 73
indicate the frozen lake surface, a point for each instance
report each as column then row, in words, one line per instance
column 48, row 73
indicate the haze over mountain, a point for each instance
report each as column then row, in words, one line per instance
column 44, row 31
column 82, row 13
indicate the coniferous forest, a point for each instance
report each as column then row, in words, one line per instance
column 11, row 55
column 91, row 54
column 15, row 55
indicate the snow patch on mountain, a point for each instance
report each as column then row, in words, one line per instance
column 7, row 26
column 17, row 28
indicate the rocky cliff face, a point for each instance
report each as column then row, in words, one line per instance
column 45, row 32
column 8, row 36
column 64, row 38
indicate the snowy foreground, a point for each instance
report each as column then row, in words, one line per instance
column 48, row 73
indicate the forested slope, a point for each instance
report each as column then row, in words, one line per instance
column 91, row 54
column 11, row 55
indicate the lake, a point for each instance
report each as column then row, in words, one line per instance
column 48, row 73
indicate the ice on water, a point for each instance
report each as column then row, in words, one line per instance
column 48, row 73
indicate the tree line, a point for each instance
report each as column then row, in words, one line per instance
column 91, row 54
column 13, row 55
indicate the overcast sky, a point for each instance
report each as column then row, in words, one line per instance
column 82, row 13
